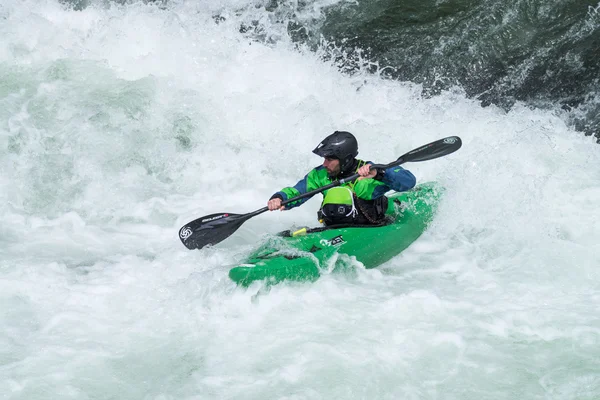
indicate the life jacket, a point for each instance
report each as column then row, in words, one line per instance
column 338, row 207
column 341, row 206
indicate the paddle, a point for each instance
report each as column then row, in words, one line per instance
column 213, row 228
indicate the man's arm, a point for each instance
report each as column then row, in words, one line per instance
column 397, row 178
column 304, row 185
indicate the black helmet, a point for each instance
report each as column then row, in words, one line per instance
column 341, row 145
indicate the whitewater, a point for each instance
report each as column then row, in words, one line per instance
column 121, row 123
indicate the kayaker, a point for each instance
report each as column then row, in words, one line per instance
column 362, row 202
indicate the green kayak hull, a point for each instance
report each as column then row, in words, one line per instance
column 301, row 255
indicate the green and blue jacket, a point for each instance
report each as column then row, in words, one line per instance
column 395, row 178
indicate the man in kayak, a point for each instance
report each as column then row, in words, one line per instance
column 362, row 202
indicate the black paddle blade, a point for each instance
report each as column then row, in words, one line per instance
column 433, row 150
column 210, row 229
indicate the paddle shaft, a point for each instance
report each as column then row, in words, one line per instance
column 326, row 187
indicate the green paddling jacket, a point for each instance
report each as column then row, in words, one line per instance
column 366, row 191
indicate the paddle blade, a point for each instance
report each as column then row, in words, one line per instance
column 210, row 229
column 433, row 150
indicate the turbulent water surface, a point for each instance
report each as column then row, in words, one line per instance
column 119, row 123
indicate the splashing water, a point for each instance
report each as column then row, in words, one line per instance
column 120, row 123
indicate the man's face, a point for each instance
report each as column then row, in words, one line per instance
column 332, row 165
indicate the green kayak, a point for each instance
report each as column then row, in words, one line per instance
column 302, row 254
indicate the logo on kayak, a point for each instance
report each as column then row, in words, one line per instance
column 214, row 218
column 450, row 140
column 336, row 241
column 185, row 233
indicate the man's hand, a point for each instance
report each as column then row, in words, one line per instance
column 366, row 172
column 275, row 204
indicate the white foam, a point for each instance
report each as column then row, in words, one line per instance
column 126, row 122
